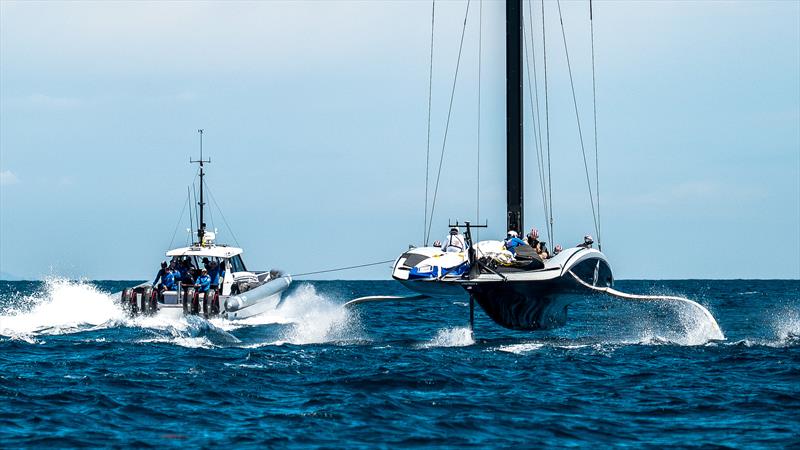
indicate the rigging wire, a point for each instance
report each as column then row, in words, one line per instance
column 577, row 116
column 537, row 133
column 230, row 230
column 180, row 218
column 342, row 268
column 547, row 126
column 447, row 125
column 478, row 178
column 594, row 110
column 191, row 223
column 196, row 210
column 428, row 147
column 538, row 118
column 210, row 210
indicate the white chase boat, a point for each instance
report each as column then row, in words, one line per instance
column 238, row 294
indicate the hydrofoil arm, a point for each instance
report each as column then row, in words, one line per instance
column 625, row 296
column 383, row 298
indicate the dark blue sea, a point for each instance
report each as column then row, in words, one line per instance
column 75, row 372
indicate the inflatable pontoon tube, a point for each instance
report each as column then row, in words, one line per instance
column 253, row 296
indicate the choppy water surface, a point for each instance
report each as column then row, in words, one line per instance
column 74, row 371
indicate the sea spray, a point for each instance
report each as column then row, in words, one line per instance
column 312, row 318
column 451, row 337
column 61, row 306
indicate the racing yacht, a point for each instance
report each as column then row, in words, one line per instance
column 525, row 295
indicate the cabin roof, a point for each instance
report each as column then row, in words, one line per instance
column 213, row 251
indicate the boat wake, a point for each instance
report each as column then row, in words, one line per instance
column 307, row 316
column 61, row 307
column 312, row 318
column 66, row 307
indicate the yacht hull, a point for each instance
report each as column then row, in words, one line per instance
column 539, row 300
column 434, row 288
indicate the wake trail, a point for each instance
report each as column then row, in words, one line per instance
column 65, row 307
column 702, row 325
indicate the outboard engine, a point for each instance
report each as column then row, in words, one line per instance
column 189, row 300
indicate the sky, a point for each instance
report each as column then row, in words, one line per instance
column 316, row 121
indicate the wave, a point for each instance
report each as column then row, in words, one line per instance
column 63, row 307
column 313, row 319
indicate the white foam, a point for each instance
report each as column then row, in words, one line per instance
column 520, row 349
column 694, row 326
column 451, row 337
column 314, row 319
column 62, row 306
column 182, row 341
column 317, row 319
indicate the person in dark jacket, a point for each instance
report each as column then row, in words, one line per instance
column 539, row 246
column 185, row 267
column 216, row 273
column 587, row 242
column 160, row 274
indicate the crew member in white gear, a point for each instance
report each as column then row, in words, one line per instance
column 454, row 242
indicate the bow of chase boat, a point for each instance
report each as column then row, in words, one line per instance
column 232, row 291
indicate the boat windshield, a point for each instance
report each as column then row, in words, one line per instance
column 237, row 265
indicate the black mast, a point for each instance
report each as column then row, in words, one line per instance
column 201, row 225
column 514, row 114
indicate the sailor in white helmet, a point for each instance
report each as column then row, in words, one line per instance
column 454, row 242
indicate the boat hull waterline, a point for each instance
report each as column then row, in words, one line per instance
column 259, row 300
column 522, row 299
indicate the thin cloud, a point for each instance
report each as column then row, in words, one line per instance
column 8, row 177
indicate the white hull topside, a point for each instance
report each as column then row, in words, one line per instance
column 554, row 268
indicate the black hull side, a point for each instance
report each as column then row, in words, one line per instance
column 538, row 305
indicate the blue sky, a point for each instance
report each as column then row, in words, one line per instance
column 316, row 112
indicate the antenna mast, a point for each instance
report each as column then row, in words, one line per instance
column 201, row 223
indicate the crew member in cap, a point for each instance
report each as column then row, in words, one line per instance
column 454, row 242
column 587, row 242
column 513, row 241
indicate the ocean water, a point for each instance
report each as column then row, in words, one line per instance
column 75, row 371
